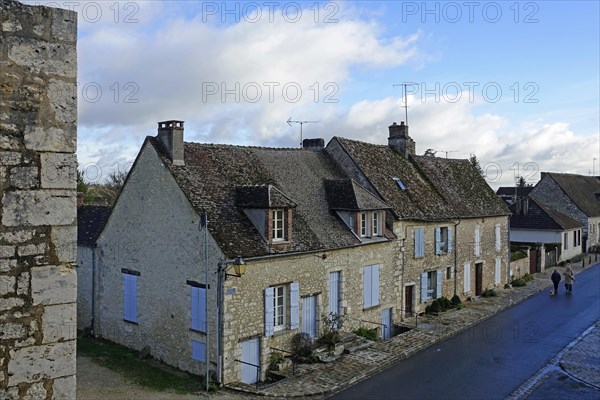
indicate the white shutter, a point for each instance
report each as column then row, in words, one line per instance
column 450, row 239
column 375, row 285
column 438, row 293
column 498, row 242
column 467, row 277
column 438, row 241
column 294, row 305
column 334, row 292
column 477, row 242
column 423, row 287
column 498, row 265
column 269, row 311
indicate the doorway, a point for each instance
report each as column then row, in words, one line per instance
column 478, row 279
column 408, row 300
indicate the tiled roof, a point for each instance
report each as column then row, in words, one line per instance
column 581, row 189
column 461, row 186
column 541, row 217
column 263, row 196
column 346, row 194
column 90, row 222
column 214, row 175
column 510, row 190
column 434, row 188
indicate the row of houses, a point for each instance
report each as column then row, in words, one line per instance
column 215, row 255
column 561, row 212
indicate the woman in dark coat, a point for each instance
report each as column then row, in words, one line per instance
column 555, row 280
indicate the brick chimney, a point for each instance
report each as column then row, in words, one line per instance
column 313, row 144
column 400, row 141
column 170, row 134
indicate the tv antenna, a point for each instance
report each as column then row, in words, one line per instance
column 290, row 122
column 405, row 102
column 448, row 152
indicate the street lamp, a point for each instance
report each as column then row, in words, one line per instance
column 239, row 267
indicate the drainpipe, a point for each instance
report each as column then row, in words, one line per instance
column 402, row 290
column 93, row 290
column 220, row 290
column 509, row 254
column 456, row 257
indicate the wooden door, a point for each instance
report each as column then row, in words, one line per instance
column 408, row 300
column 478, row 279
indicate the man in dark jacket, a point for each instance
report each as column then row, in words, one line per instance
column 555, row 280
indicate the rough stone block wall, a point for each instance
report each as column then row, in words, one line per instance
column 38, row 128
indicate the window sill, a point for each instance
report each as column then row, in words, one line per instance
column 197, row 331
column 130, row 322
column 371, row 307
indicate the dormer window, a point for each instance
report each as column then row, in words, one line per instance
column 278, row 221
column 371, row 223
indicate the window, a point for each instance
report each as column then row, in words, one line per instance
column 566, row 240
column 370, row 286
column 371, row 223
column 198, row 350
column 363, row 224
column 498, row 242
column 278, row 221
column 198, row 308
column 130, row 297
column 449, row 273
column 431, row 285
column 579, row 237
column 376, row 227
column 443, row 240
column 282, row 303
column 477, row 246
column 419, row 242
column 399, row 183
column 574, row 238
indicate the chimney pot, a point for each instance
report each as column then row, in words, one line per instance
column 170, row 134
column 399, row 139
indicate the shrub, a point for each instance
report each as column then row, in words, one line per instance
column 274, row 359
column 370, row 334
column 519, row 282
column 301, row 344
column 456, row 300
column 489, row 293
column 445, row 303
column 517, row 255
column 435, row 306
column 332, row 324
column 528, row 277
column 506, row 286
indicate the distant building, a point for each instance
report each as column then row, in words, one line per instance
column 510, row 194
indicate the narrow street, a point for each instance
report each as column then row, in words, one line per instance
column 492, row 359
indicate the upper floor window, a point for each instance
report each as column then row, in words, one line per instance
column 278, row 221
column 371, row 223
column 443, row 240
column 477, row 246
column 498, row 239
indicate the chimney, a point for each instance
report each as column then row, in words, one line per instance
column 400, row 141
column 313, row 144
column 170, row 134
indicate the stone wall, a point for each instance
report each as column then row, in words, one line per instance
column 38, row 114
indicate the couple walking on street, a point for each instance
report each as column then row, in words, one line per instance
column 569, row 279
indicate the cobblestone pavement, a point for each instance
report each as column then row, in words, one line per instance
column 319, row 380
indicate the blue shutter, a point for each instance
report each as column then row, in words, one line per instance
column 294, row 305
column 467, row 277
column 438, row 285
column 450, row 239
column 334, row 291
column 198, row 351
column 498, row 241
column 423, row 287
column 269, row 311
column 477, row 241
column 195, row 309
column 375, row 285
column 130, row 297
column 498, row 267
column 438, row 241
column 419, row 242
column 366, row 287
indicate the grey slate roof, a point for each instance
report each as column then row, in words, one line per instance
column 345, row 194
column 216, row 177
column 435, row 188
column 510, row 191
column 582, row 190
column 90, row 222
column 542, row 217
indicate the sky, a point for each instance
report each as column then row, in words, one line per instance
column 515, row 83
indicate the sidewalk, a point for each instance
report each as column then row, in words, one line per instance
column 325, row 379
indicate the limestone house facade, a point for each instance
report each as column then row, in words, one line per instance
column 451, row 226
column 576, row 196
column 533, row 222
column 320, row 230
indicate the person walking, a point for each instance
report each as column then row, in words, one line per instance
column 569, row 279
column 555, row 280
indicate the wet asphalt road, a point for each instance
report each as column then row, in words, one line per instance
column 492, row 359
